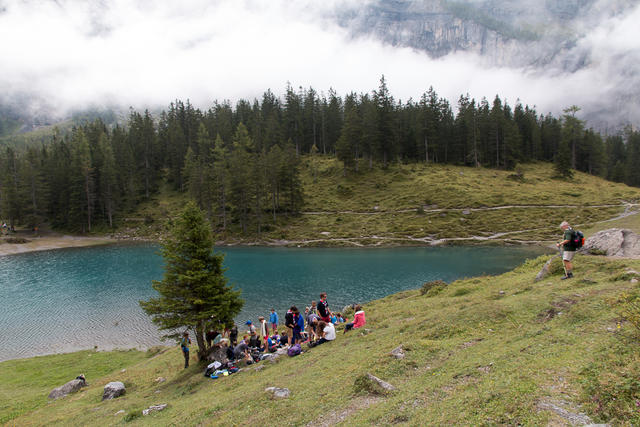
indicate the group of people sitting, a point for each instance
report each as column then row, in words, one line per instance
column 315, row 326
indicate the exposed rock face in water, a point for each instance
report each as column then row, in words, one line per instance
column 614, row 242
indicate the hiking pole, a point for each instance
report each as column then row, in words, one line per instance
column 564, row 267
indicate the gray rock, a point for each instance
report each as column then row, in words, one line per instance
column 70, row 387
column 634, row 280
column 278, row 393
column 112, row 390
column 566, row 411
column 614, row 242
column 385, row 385
column 398, row 353
column 466, row 212
column 154, row 408
column 160, row 379
column 121, row 411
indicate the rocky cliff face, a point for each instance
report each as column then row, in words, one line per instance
column 504, row 32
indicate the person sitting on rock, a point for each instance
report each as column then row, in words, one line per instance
column 358, row 320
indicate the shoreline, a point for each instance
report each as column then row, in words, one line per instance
column 50, row 242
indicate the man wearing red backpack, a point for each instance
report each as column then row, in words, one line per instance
column 568, row 249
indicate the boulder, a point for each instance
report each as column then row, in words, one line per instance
column 614, row 242
column 398, row 352
column 278, row 393
column 112, row 390
column 154, row 408
column 70, row 387
column 385, row 385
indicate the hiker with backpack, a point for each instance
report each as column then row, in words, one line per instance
column 572, row 241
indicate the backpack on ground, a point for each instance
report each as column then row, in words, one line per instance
column 577, row 239
column 294, row 350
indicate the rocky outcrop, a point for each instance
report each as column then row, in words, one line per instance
column 154, row 408
column 113, row 390
column 70, row 387
column 278, row 393
column 614, row 242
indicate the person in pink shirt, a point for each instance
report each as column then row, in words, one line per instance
column 358, row 320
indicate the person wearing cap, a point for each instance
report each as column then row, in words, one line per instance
column 251, row 327
column 184, row 346
column 568, row 249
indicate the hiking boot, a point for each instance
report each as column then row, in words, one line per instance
column 568, row 276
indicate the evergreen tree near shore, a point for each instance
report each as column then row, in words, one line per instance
column 194, row 293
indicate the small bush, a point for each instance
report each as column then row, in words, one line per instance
column 363, row 385
column 132, row 415
column 461, row 291
column 629, row 309
column 16, row 240
column 598, row 252
column 432, row 288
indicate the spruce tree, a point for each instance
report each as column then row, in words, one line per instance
column 194, row 292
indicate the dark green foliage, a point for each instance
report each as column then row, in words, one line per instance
column 363, row 385
column 432, row 288
column 194, row 292
column 95, row 174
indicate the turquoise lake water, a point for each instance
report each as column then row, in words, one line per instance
column 71, row 299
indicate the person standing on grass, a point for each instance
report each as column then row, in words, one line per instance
column 289, row 324
column 184, row 345
column 298, row 327
column 568, row 249
column 273, row 319
column 323, row 308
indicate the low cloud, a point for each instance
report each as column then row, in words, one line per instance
column 146, row 53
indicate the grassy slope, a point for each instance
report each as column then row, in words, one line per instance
column 345, row 207
column 475, row 355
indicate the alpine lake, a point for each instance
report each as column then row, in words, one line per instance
column 71, row 299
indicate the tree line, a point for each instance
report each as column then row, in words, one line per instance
column 241, row 163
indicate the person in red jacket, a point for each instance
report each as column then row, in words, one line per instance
column 358, row 320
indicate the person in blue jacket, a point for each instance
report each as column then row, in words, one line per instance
column 273, row 319
column 298, row 327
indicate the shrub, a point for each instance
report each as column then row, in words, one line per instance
column 432, row 288
column 364, row 385
column 461, row 291
column 16, row 240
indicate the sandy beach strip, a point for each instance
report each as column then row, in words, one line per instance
column 46, row 243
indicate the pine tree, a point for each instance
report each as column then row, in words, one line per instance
column 194, row 291
column 563, row 161
column 107, row 172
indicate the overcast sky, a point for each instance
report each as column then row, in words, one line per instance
column 147, row 53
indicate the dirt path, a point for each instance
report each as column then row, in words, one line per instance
column 469, row 209
column 429, row 240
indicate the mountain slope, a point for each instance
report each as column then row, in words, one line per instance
column 486, row 350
